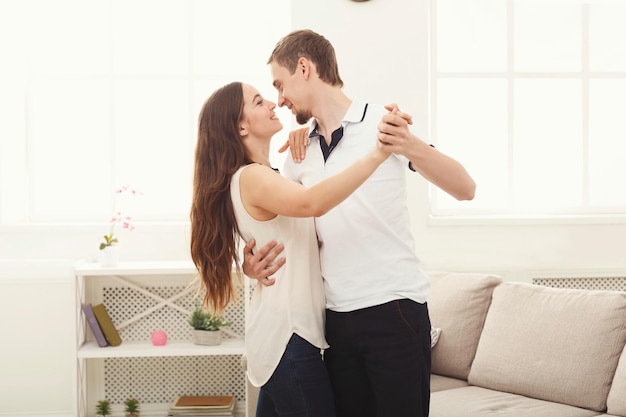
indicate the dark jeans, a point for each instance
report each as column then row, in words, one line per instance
column 379, row 360
column 299, row 386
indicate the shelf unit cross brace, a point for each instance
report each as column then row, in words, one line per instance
column 162, row 302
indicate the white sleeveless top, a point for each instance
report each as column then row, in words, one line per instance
column 295, row 303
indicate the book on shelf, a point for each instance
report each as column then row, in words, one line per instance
column 201, row 413
column 106, row 324
column 94, row 326
column 203, row 405
column 211, row 413
column 204, row 401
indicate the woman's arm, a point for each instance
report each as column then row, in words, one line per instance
column 265, row 193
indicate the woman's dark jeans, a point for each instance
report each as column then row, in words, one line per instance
column 299, row 386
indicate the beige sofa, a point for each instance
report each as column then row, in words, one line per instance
column 522, row 350
column 519, row 350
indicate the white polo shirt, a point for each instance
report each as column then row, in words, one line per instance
column 367, row 252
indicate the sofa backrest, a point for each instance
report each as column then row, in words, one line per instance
column 552, row 344
column 458, row 304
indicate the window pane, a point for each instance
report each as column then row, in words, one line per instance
column 13, row 39
column 12, row 151
column 68, row 149
column 69, row 37
column 159, row 45
column 224, row 48
column 548, row 35
column 608, row 37
column 472, row 121
column 607, row 142
column 471, row 35
column 547, row 144
column 153, row 149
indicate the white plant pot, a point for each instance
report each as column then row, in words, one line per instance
column 109, row 256
column 206, row 337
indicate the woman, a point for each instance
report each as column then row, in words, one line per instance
column 238, row 194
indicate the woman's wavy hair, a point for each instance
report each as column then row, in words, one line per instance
column 214, row 231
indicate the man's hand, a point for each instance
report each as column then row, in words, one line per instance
column 298, row 141
column 394, row 109
column 393, row 131
column 257, row 265
column 441, row 170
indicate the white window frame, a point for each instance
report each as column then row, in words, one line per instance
column 611, row 215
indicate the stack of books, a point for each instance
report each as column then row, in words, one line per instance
column 101, row 325
column 203, row 405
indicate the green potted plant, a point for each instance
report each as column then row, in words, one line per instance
column 206, row 326
column 103, row 408
column 131, row 406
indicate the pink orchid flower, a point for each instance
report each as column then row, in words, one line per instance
column 125, row 221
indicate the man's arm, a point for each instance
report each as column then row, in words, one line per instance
column 438, row 168
column 257, row 265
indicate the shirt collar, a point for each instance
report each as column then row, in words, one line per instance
column 355, row 114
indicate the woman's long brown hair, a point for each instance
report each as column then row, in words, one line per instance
column 214, row 231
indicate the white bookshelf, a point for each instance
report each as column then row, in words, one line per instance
column 137, row 289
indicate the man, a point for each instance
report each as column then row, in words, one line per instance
column 377, row 321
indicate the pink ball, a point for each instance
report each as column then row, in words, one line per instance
column 159, row 338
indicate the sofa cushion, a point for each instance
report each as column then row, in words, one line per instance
column 616, row 401
column 440, row 383
column 458, row 304
column 552, row 344
column 480, row 402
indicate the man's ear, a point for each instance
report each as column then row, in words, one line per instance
column 304, row 67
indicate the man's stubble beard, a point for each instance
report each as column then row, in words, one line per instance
column 303, row 117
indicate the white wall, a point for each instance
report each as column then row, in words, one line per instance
column 36, row 338
column 382, row 46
